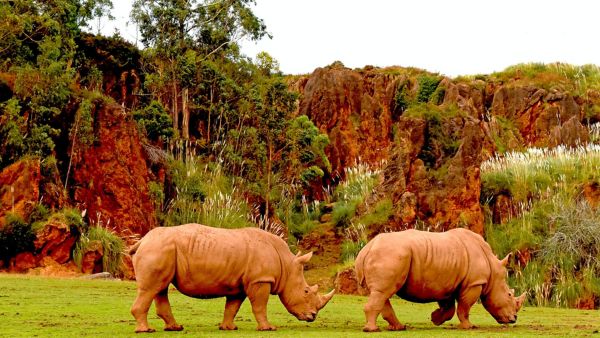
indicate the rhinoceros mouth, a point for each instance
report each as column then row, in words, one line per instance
column 307, row 317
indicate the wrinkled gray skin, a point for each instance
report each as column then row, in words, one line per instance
column 205, row 262
column 456, row 266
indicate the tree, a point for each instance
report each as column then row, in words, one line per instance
column 37, row 45
column 173, row 28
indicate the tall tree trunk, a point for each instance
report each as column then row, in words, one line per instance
column 175, row 108
column 209, row 113
column 268, row 192
column 185, row 131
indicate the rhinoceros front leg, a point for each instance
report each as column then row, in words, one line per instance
column 232, row 306
column 163, row 310
column 258, row 293
column 466, row 299
column 444, row 313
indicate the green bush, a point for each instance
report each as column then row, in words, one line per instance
column 342, row 214
column 73, row 218
column 402, row 99
column 39, row 213
column 155, row 121
column 350, row 250
column 427, row 86
column 112, row 246
column 16, row 236
column 378, row 214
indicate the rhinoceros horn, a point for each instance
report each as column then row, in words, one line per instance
column 326, row 298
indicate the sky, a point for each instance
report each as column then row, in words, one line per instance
column 451, row 37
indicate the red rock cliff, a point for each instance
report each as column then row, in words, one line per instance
column 111, row 176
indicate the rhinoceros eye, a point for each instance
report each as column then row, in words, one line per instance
column 306, row 290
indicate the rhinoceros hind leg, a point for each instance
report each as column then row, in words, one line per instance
column 232, row 306
column 373, row 308
column 258, row 293
column 466, row 299
column 444, row 313
column 390, row 316
column 139, row 310
column 163, row 310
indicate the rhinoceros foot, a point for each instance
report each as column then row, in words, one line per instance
column 175, row 327
column 146, row 330
column 227, row 327
column 398, row 327
column 267, row 328
column 371, row 329
column 440, row 316
column 466, row 326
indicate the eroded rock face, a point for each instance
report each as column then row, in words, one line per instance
column 111, row 176
column 91, row 260
column 55, row 240
column 356, row 109
column 444, row 196
column 353, row 108
column 544, row 118
column 19, row 188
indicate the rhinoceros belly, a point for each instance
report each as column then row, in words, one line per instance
column 203, row 285
column 431, row 282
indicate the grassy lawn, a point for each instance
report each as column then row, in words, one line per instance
column 51, row 307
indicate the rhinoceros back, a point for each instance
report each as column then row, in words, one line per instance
column 210, row 262
column 422, row 266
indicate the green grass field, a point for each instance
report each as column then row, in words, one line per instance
column 52, row 307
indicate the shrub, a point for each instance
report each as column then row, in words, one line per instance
column 355, row 240
column 379, row 214
column 112, row 246
column 39, row 213
column 155, row 121
column 427, row 86
column 401, row 99
column 342, row 214
column 16, row 236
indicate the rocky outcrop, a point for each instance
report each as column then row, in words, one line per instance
column 53, row 245
column 353, row 108
column 544, row 118
column 429, row 183
column 445, row 195
column 55, row 240
column 111, row 176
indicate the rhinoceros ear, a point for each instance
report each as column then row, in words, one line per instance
column 520, row 300
column 303, row 259
column 504, row 261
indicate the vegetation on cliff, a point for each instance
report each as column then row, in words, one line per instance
column 188, row 129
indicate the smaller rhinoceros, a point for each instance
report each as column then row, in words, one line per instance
column 419, row 266
column 205, row 262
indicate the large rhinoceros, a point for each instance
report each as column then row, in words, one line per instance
column 453, row 266
column 205, row 262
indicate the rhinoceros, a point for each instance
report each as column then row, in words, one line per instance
column 205, row 262
column 419, row 266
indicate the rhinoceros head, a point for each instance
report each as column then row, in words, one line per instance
column 500, row 301
column 300, row 299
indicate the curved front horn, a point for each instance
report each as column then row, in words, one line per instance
column 326, row 298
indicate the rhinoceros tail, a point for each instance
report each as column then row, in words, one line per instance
column 359, row 267
column 134, row 248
